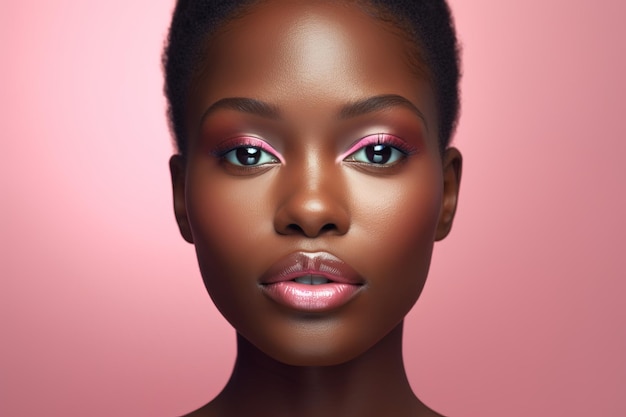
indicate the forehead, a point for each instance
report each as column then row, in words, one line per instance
column 308, row 54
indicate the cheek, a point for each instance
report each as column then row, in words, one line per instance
column 228, row 213
column 395, row 227
column 228, row 218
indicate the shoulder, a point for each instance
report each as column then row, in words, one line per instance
column 205, row 411
column 431, row 413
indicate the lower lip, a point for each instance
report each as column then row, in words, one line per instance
column 311, row 298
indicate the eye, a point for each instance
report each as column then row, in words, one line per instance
column 249, row 156
column 377, row 154
column 380, row 150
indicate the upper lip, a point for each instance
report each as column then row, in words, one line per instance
column 298, row 264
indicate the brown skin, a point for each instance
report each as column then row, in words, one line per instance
column 312, row 60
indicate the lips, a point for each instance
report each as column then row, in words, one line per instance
column 311, row 282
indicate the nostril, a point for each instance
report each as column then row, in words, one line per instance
column 311, row 215
column 294, row 228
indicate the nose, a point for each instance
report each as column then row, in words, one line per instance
column 312, row 203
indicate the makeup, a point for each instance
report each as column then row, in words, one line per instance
column 379, row 139
column 311, row 282
column 240, row 142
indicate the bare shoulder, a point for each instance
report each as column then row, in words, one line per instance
column 206, row 411
column 211, row 410
column 427, row 412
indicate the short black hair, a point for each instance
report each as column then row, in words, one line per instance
column 428, row 23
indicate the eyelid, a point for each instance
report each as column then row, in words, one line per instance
column 246, row 141
column 379, row 139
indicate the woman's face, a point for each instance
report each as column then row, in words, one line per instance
column 313, row 188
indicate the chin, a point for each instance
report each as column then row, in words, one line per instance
column 319, row 344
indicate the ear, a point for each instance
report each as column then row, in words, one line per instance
column 177, row 170
column 452, row 164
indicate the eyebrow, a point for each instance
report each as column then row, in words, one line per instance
column 348, row 111
column 244, row 105
column 379, row 103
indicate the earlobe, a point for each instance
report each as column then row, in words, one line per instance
column 452, row 165
column 177, row 171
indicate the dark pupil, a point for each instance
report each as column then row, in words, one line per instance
column 378, row 154
column 248, row 156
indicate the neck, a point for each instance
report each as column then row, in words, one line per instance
column 372, row 384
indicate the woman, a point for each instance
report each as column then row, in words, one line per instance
column 313, row 176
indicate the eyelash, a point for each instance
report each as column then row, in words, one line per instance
column 257, row 150
column 379, row 142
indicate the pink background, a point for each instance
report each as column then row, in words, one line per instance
column 103, row 312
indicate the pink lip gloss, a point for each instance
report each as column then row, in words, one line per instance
column 311, row 298
column 311, row 282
